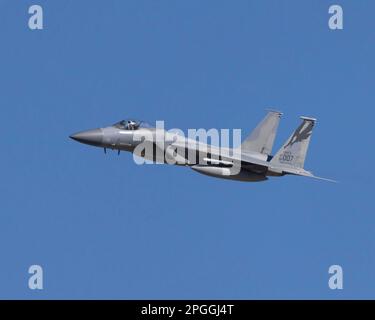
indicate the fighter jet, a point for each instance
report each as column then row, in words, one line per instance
column 251, row 161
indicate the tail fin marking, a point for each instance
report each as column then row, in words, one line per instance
column 293, row 152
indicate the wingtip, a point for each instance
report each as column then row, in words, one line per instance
column 308, row 118
column 274, row 111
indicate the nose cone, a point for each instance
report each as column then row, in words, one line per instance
column 92, row 137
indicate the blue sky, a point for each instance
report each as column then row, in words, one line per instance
column 103, row 227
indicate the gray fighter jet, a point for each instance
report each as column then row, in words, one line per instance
column 252, row 161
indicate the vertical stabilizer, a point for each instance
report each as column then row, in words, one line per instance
column 263, row 136
column 294, row 150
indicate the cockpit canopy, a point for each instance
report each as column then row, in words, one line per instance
column 130, row 124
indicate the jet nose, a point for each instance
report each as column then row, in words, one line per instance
column 93, row 137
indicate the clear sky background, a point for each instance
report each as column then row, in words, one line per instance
column 103, row 227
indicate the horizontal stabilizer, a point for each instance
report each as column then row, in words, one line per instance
column 310, row 175
column 298, row 172
column 325, row 179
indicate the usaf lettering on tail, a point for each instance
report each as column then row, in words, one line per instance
column 251, row 161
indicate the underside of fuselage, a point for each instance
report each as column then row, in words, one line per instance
column 225, row 173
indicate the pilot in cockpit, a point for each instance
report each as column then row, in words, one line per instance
column 131, row 124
